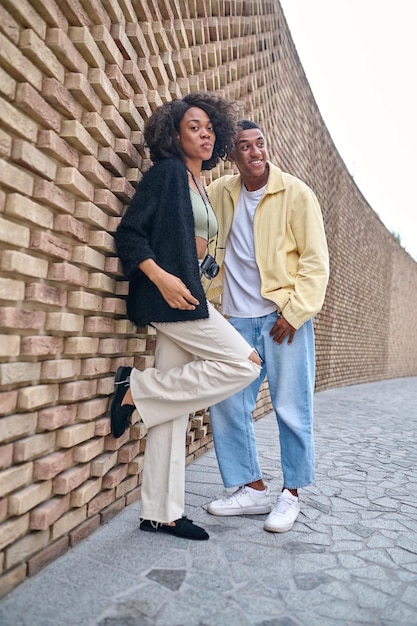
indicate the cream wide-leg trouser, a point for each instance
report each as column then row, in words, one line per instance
column 197, row 364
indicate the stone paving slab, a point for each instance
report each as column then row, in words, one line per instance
column 350, row 560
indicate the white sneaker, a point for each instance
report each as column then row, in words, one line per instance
column 284, row 514
column 242, row 502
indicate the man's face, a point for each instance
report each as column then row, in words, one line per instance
column 250, row 153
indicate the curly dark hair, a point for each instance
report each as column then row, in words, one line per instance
column 161, row 130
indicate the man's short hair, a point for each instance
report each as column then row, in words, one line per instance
column 247, row 125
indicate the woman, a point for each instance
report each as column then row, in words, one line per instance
column 199, row 359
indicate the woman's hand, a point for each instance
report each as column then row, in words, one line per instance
column 172, row 289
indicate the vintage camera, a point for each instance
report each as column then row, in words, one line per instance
column 209, row 268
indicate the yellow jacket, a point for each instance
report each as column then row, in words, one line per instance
column 289, row 238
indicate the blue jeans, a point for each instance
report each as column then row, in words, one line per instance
column 291, row 371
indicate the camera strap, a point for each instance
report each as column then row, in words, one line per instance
column 206, row 200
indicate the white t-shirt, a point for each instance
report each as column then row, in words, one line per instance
column 242, row 282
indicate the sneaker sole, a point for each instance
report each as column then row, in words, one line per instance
column 281, row 529
column 247, row 511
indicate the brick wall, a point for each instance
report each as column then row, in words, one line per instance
column 78, row 80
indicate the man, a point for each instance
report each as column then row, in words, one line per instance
column 274, row 271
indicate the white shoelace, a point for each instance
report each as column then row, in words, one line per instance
column 283, row 505
column 235, row 495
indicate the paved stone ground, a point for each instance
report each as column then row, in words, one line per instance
column 351, row 558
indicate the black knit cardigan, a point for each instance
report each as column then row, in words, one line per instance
column 159, row 225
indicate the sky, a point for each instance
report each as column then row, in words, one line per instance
column 360, row 59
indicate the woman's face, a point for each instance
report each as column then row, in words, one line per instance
column 196, row 135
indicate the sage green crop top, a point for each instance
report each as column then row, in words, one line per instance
column 200, row 217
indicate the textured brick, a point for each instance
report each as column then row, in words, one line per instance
column 94, row 171
column 32, row 103
column 71, row 227
column 50, row 13
column 91, row 214
column 37, row 396
column 26, row 547
column 37, row 51
column 84, row 255
column 98, row 129
column 53, row 196
column 64, row 50
column 26, row 499
column 9, row 25
column 51, row 465
column 115, row 476
column 12, row 578
column 102, row 500
column 19, row 318
column 115, row 121
column 15, row 178
column 127, row 152
column 77, row 391
column 130, row 113
column 86, row 492
column 70, row 179
column 60, row 369
column 30, row 157
column 85, row 44
column 106, row 200
column 6, row 455
column 5, row 151
column 63, row 322
column 22, row 207
column 136, row 465
column 13, row 233
column 61, row 99
column 106, row 44
column 126, row 486
column 27, row 15
column 111, row 161
column 31, row 447
column 67, row 273
column 13, row 427
column 103, row 87
column 101, row 282
column 90, row 410
column 21, row 263
column 55, row 146
column 128, row 452
column 84, row 530
column 11, row 289
column 45, row 294
column 57, row 417
column 71, row 479
column 88, row 450
column 18, row 372
column 112, row 509
column 99, row 325
column 79, row 86
column 81, row 346
column 119, row 82
column 84, row 300
column 15, row 477
column 72, row 435
column 18, row 65
column 102, row 464
column 11, row 530
column 9, row 345
column 46, row 556
column 7, row 84
column 47, row 513
column 50, row 245
column 68, row 522
column 95, row 366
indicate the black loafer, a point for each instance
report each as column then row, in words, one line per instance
column 183, row 528
column 120, row 415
